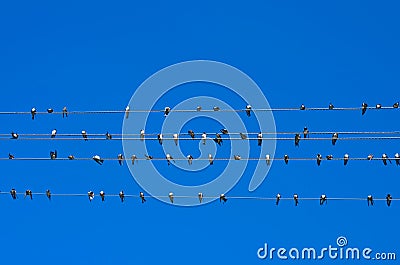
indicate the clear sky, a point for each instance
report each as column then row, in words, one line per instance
column 93, row 55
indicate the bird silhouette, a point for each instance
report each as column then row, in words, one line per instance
column 33, row 113
column 346, row 159
column 296, row 139
column 259, row 138
column 190, row 159
column 248, row 110
column 175, row 136
column 120, row 159
column 319, row 159
column 364, row 107
column 191, row 133
column 65, row 112
column 98, row 159
column 141, row 195
column 102, row 195
column 218, row 139
column 335, row 137
column 160, row 138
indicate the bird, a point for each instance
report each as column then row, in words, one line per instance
column 296, row 199
column 65, row 112
column 218, row 139
column 166, row 111
column 278, row 198
column 53, row 155
column 370, row 200
column 28, row 193
column 396, row 105
column 385, row 158
column 53, row 133
column 286, row 158
column 237, row 157
column 222, row 198
column 71, row 157
column 10, row 156
column 296, row 139
column 198, row 108
column 91, row 195
column 148, row 157
column 302, row 107
column 331, row 107
column 200, row 195
column 243, row 136
column 14, row 135
column 248, row 110
column 224, row 131
column 322, row 199
column 50, row 110
column 175, row 136
column 127, row 110
column 120, row 159
column 210, row 159
column 84, row 135
column 216, row 108
column 364, row 107
column 259, row 138
column 102, row 195
column 204, row 137
column 335, row 137
column 329, row 157
column 108, row 136
column 13, row 193
column 141, row 195
column 141, row 135
column 378, row 106
column 305, row 132
column 191, row 133
column 397, row 159
column 98, row 159
column 122, row 195
column 171, row 197
column 133, row 158
column 268, row 159
column 388, row 199
column 319, row 159
column 169, row 159
column 190, row 159
column 346, row 159
column 160, row 138
column 370, row 157
column 33, row 113
column 48, row 194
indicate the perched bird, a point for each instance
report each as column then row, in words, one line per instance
column 14, row 135
column 13, row 193
column 200, row 195
column 169, row 159
column 71, row 157
column 84, row 135
column 335, row 137
column 122, row 195
column 10, row 156
column 378, row 106
column 190, row 159
column 278, row 198
column 331, row 107
column 148, row 157
column 53, row 133
column 388, row 199
column 218, row 139
column 329, row 157
column 204, row 137
column 141, row 195
column 296, row 139
column 120, row 159
column 322, row 199
column 385, row 159
column 160, row 138
column 102, row 195
column 141, row 135
column 175, row 136
column 198, row 108
column 302, row 107
column 98, row 159
column 370, row 157
column 259, row 138
column 108, row 136
column 370, row 200
column 222, row 198
column 50, row 110
column 305, row 132
column 296, row 199
column 396, row 105
column 48, row 194
column 127, row 110
column 248, row 110
column 216, row 108
column 166, row 111
column 28, row 193
column 319, row 159
column 171, row 197
column 243, row 136
column 191, row 133
column 237, row 157
column 346, row 159
column 33, row 113
column 224, row 131
column 268, row 159
column 65, row 112
column 397, row 159
column 90, row 195
column 53, row 155
column 364, row 107
column 286, row 158
column 210, row 159
column 133, row 158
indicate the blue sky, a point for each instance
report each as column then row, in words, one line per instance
column 93, row 55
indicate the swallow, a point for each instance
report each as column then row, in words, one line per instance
column 370, row 200
column 224, row 131
column 296, row 199
column 329, row 157
column 167, row 111
column 248, row 110
column 346, row 159
column 10, row 156
column 378, row 106
column 237, row 157
column 388, row 199
column 210, row 159
column 200, row 195
column 191, row 133
column 302, row 107
column 216, row 108
column 28, row 193
column 48, row 194
column 243, row 136
column 65, row 112
column 322, row 199
column 335, row 137
column 133, row 158
column 331, row 107
column 14, row 135
column 33, row 113
column 396, row 105
column 286, row 158
column 141, row 195
column 190, row 159
column 319, row 159
column 397, row 159
column 84, row 135
column 53, row 155
column 102, row 195
column 98, row 159
column 13, row 193
column 169, row 159
column 364, row 107
column 120, row 159
column 268, row 159
column 305, row 132
column 385, row 158
column 204, row 137
column 127, row 110
column 108, row 136
column 122, row 195
column 296, row 139
column 71, row 157
column 198, row 108
column 278, row 198
column 148, row 157
column 218, row 139
column 53, row 133
column 175, row 136
column 370, row 157
column 90, row 195
column 160, row 138
column 222, row 198
column 141, row 135
column 171, row 197
column 259, row 138
column 50, row 110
